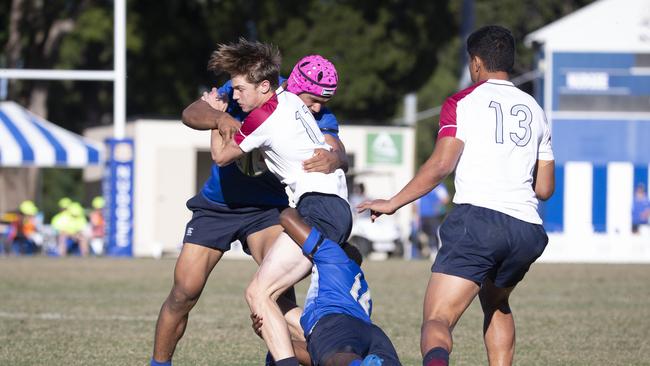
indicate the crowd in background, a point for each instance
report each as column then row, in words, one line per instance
column 74, row 230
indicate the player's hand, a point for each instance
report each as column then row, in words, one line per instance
column 377, row 208
column 323, row 161
column 228, row 127
column 216, row 101
column 257, row 324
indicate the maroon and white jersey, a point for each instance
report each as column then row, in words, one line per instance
column 505, row 132
column 286, row 132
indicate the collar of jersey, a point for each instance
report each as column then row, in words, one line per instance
column 500, row 81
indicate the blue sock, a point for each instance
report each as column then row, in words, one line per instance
column 355, row 363
column 291, row 361
column 436, row 356
column 156, row 363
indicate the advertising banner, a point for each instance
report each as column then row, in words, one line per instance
column 384, row 148
column 118, row 191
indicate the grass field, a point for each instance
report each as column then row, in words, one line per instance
column 103, row 312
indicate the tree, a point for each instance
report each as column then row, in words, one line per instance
column 520, row 17
column 35, row 32
column 382, row 49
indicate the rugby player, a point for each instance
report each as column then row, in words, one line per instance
column 237, row 202
column 284, row 129
column 497, row 139
column 338, row 306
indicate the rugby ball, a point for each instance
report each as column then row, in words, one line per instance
column 252, row 163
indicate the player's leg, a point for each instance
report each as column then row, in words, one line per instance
column 470, row 248
column 193, row 267
column 207, row 236
column 381, row 346
column 498, row 323
column 338, row 340
column 259, row 244
column 526, row 243
column 446, row 299
column 283, row 266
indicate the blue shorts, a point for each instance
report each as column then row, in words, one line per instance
column 215, row 225
column 330, row 214
column 479, row 243
column 336, row 333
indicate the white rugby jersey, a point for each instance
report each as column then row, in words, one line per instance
column 285, row 131
column 505, row 132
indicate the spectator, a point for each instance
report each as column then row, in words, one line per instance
column 71, row 226
column 431, row 209
column 23, row 234
column 640, row 208
column 97, row 225
column 359, row 195
column 6, row 221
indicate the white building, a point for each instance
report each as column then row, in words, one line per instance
column 595, row 90
column 172, row 161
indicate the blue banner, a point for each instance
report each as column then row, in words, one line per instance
column 118, row 191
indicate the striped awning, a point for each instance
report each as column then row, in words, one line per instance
column 29, row 140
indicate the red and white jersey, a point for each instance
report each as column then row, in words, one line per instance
column 505, row 132
column 286, row 132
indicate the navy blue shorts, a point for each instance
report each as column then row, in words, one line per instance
column 216, row 225
column 479, row 243
column 330, row 214
column 336, row 333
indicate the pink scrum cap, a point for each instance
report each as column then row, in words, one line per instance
column 313, row 74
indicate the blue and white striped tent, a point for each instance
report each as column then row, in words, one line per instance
column 28, row 140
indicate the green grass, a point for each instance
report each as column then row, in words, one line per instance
column 103, row 312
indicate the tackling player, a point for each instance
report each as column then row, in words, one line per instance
column 233, row 205
column 282, row 127
column 497, row 139
column 338, row 306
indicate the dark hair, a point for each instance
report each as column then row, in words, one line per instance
column 495, row 46
column 352, row 253
column 258, row 61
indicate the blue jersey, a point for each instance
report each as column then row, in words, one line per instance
column 338, row 285
column 228, row 185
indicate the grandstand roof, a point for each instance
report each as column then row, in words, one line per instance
column 605, row 25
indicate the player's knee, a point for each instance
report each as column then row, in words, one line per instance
column 183, row 297
column 252, row 294
column 489, row 306
column 436, row 320
column 492, row 301
column 257, row 294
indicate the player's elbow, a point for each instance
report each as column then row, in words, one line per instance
column 544, row 192
column 440, row 169
column 220, row 159
column 221, row 163
column 187, row 117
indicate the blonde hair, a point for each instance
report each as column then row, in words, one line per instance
column 257, row 61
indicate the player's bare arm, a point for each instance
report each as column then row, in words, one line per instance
column 294, row 225
column 544, row 179
column 325, row 161
column 223, row 152
column 440, row 164
column 201, row 116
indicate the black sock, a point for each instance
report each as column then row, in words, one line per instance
column 291, row 361
column 436, row 356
